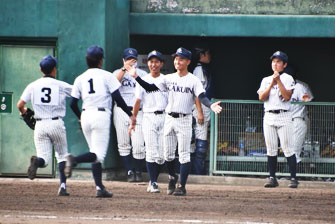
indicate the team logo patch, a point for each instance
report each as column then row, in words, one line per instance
column 130, row 51
column 277, row 53
column 154, row 52
column 179, row 50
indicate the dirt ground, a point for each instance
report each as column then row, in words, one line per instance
column 25, row 201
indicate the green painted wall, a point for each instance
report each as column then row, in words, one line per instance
column 72, row 26
column 251, row 7
column 232, row 25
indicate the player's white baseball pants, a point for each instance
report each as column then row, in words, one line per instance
column 201, row 130
column 177, row 130
column 96, row 128
column 278, row 125
column 124, row 141
column 299, row 133
column 153, row 126
column 49, row 133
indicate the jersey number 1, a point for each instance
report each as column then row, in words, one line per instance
column 91, row 86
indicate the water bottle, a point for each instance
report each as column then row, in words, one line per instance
column 307, row 148
column 248, row 125
column 316, row 149
column 241, row 153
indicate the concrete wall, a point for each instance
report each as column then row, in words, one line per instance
column 251, row 7
column 72, row 26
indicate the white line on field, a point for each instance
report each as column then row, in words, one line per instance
column 127, row 219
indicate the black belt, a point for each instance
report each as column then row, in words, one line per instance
column 99, row 109
column 159, row 112
column 298, row 117
column 177, row 115
column 276, row 111
column 54, row 118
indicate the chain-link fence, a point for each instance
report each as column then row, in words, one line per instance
column 238, row 146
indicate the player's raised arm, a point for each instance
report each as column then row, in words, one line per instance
column 214, row 106
column 126, row 63
column 144, row 84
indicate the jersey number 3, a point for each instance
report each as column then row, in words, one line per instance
column 47, row 97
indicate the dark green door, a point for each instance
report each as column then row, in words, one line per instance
column 19, row 65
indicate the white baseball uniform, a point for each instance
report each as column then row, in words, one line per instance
column 154, row 104
column 95, row 87
column 135, row 142
column 278, row 117
column 48, row 98
column 178, row 121
column 299, row 117
column 200, row 130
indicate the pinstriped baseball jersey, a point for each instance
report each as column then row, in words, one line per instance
column 275, row 101
column 47, row 96
column 297, row 109
column 128, row 85
column 200, row 74
column 95, row 86
column 153, row 124
column 181, row 91
column 200, row 130
column 152, row 101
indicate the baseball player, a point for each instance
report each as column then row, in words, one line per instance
column 154, row 104
column 96, row 87
column 276, row 91
column 48, row 98
column 301, row 93
column 135, row 142
column 182, row 88
column 202, row 113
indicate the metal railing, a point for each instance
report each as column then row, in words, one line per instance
column 237, row 145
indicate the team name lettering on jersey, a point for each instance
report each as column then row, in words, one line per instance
column 171, row 86
column 128, row 82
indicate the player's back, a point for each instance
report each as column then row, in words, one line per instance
column 47, row 96
column 95, row 86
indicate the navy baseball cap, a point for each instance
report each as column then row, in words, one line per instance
column 156, row 54
column 48, row 63
column 130, row 53
column 95, row 52
column 280, row 55
column 184, row 53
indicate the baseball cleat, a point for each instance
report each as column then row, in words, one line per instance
column 180, row 191
column 172, row 184
column 153, row 188
column 32, row 169
column 104, row 194
column 272, row 182
column 70, row 163
column 131, row 176
column 62, row 192
column 149, row 186
column 293, row 183
column 138, row 177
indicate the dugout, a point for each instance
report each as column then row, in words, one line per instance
column 241, row 44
